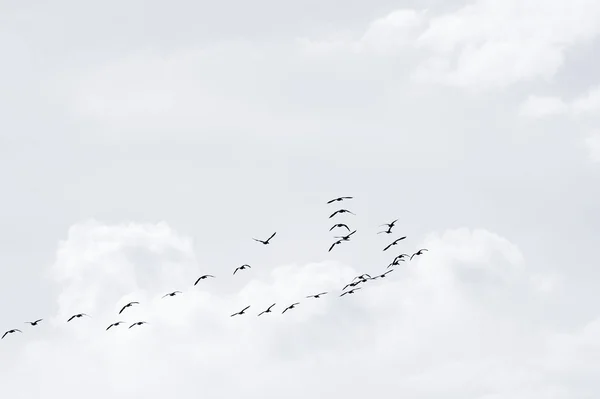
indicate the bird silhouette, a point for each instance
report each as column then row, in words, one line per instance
column 350, row 291
column 419, row 252
column 77, row 316
column 240, row 312
column 341, row 211
column 268, row 310
column 395, row 262
column 389, row 225
column 346, row 237
column 338, row 199
column 268, row 239
column 317, row 296
column 339, row 225
column 352, row 284
column 130, row 304
column 172, row 294
column 115, row 325
column 396, row 241
column 292, row 306
column 10, row 332
column 334, row 244
column 362, row 277
column 205, row 276
column 139, row 323
column 242, row 267
column 33, row 323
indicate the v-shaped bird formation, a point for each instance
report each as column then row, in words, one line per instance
column 348, row 289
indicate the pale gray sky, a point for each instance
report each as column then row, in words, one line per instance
column 145, row 143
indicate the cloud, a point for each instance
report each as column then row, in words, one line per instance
column 457, row 320
column 544, row 106
column 592, row 142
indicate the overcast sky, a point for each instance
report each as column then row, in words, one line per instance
column 143, row 144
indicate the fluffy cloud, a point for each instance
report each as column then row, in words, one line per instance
column 456, row 321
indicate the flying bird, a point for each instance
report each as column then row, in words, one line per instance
column 242, row 267
column 334, row 244
column 362, row 277
column 115, row 325
column 268, row 239
column 139, row 323
column 317, row 296
column 339, row 225
column 172, row 294
column 346, row 237
column 389, row 225
column 77, row 316
column 10, row 332
column 340, row 211
column 350, row 291
column 338, row 199
column 33, row 323
column 352, row 284
column 292, row 306
column 240, row 312
column 396, row 241
column 419, row 252
column 268, row 310
column 203, row 277
column 130, row 304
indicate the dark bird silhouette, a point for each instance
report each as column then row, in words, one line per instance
column 352, row 284
column 419, row 252
column 362, row 277
column 334, row 244
column 350, row 291
column 77, row 316
column 242, row 267
column 338, row 199
column 10, row 332
column 389, row 225
column 292, row 306
column 346, row 237
column 382, row 275
column 205, row 276
column 240, row 312
column 341, row 211
column 115, row 325
column 172, row 294
column 139, row 323
column 130, row 304
column 339, row 225
column 396, row 261
column 33, row 323
column 396, row 241
column 268, row 310
column 317, row 296
column 268, row 239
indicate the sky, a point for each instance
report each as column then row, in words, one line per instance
column 143, row 144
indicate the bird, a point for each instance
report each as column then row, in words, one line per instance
column 362, row 277
column 334, row 244
column 77, row 316
column 139, row 323
column 114, row 325
column 172, row 294
column 268, row 239
column 352, row 284
column 317, row 296
column 350, row 291
column 240, row 312
column 389, row 225
column 338, row 199
column 382, row 275
column 33, row 323
column 268, row 310
column 339, row 225
column 346, row 237
column 242, row 267
column 292, row 306
column 340, row 211
column 203, row 277
column 10, row 332
column 396, row 262
column 419, row 252
column 396, row 241
column 130, row 304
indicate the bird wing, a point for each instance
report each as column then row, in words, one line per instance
column 297, row 303
column 351, row 233
column 210, row 275
column 197, row 281
column 16, row 329
column 400, row 239
column 271, row 306
column 386, row 248
column 272, row 235
column 122, row 309
column 347, row 197
column 4, row 335
column 330, row 201
column 262, row 312
column 37, row 321
column 71, row 318
column 108, row 328
column 246, row 308
column 424, row 249
column 322, row 293
column 285, row 310
column 236, row 269
column 332, row 245
column 344, row 225
column 333, row 214
column 344, row 293
column 412, row 256
column 256, row 239
column 132, row 325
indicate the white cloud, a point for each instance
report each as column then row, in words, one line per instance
column 457, row 320
column 592, row 142
column 542, row 106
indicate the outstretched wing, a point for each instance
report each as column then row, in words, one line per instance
column 272, row 235
column 333, row 214
column 236, row 269
column 386, row 248
column 256, row 239
column 246, row 308
column 332, row 245
column 4, row 335
column 71, row 318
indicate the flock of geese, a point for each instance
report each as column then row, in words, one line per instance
column 353, row 285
